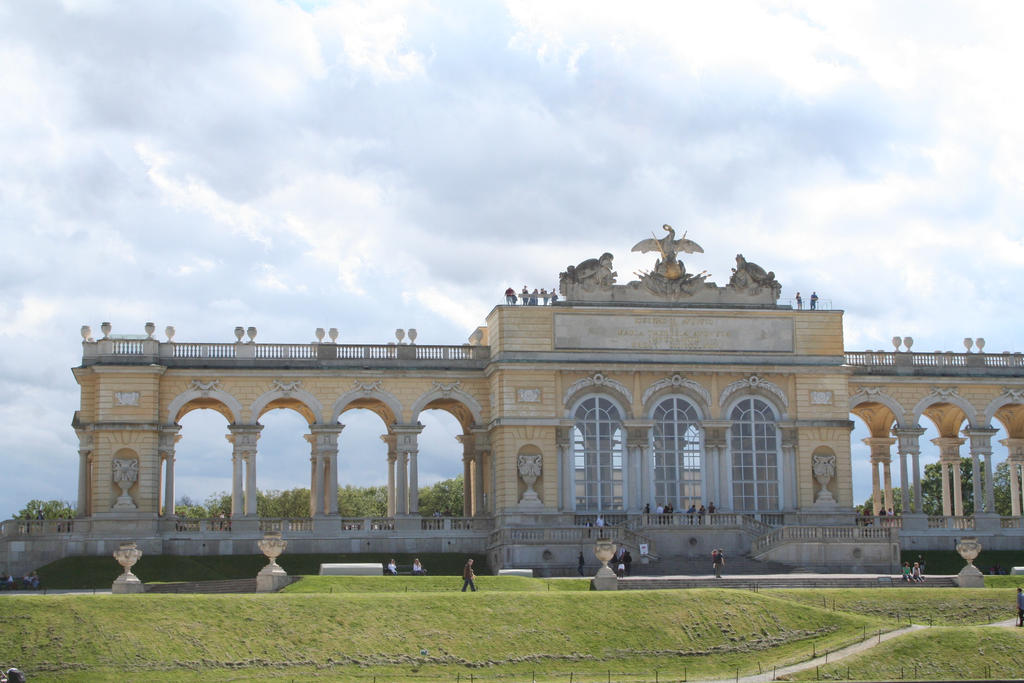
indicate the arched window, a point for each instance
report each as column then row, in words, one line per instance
column 755, row 457
column 677, row 454
column 597, row 455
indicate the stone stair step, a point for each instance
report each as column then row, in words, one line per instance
column 224, row 586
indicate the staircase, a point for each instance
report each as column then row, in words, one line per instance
column 755, row 582
column 224, row 586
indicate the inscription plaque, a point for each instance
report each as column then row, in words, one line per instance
column 671, row 333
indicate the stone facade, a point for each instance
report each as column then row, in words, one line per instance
column 615, row 399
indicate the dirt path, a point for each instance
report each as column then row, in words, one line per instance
column 827, row 658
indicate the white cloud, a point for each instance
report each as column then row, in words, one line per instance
column 379, row 165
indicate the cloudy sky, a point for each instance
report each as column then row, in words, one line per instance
column 375, row 165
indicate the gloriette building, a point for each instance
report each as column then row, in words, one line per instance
column 616, row 399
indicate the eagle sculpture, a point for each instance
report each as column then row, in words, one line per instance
column 668, row 246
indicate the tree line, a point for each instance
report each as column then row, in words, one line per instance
column 444, row 497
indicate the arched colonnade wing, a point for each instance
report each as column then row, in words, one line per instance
column 969, row 415
column 399, row 411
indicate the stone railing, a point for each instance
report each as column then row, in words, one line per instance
column 888, row 521
column 937, row 363
column 136, row 351
column 951, row 522
column 39, row 527
column 823, row 534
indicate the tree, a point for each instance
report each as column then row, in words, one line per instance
column 218, row 503
column 444, row 497
column 290, row 503
column 186, row 508
column 50, row 509
column 363, row 501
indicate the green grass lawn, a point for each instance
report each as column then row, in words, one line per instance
column 934, row 654
column 939, row 606
column 423, row 629
column 491, row 634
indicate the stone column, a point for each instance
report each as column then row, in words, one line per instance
column 716, row 437
column 949, row 457
column 84, row 490
column 323, row 440
column 408, row 436
column 402, row 486
column 391, row 441
column 563, row 441
column 1015, row 446
column 482, row 443
column 637, row 456
column 243, row 439
column 168, row 438
column 981, row 445
column 790, row 440
column 468, row 453
column 881, row 498
column 908, row 442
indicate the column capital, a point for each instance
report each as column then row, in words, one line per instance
column 790, row 434
column 981, row 439
column 716, row 432
column 637, row 432
column 326, row 428
column 468, row 442
column 407, row 436
column 85, row 440
column 169, row 435
column 908, row 439
column 323, row 439
column 563, row 436
column 880, row 446
column 949, row 448
column 244, row 437
column 1015, row 446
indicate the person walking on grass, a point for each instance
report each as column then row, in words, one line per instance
column 468, row 576
column 1020, row 608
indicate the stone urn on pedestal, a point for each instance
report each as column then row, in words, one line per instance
column 127, row 555
column 530, row 467
column 273, row 577
column 605, row 579
column 823, row 466
column 970, row 576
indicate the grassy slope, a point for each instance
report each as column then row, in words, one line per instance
column 935, row 654
column 165, row 637
column 99, row 572
column 940, row 606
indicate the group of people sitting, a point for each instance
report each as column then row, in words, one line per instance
column 417, row 568
column 528, row 298
column 913, row 574
column 28, row 582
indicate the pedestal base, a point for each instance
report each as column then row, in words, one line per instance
column 970, row 577
column 605, row 580
column 127, row 583
column 271, row 579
